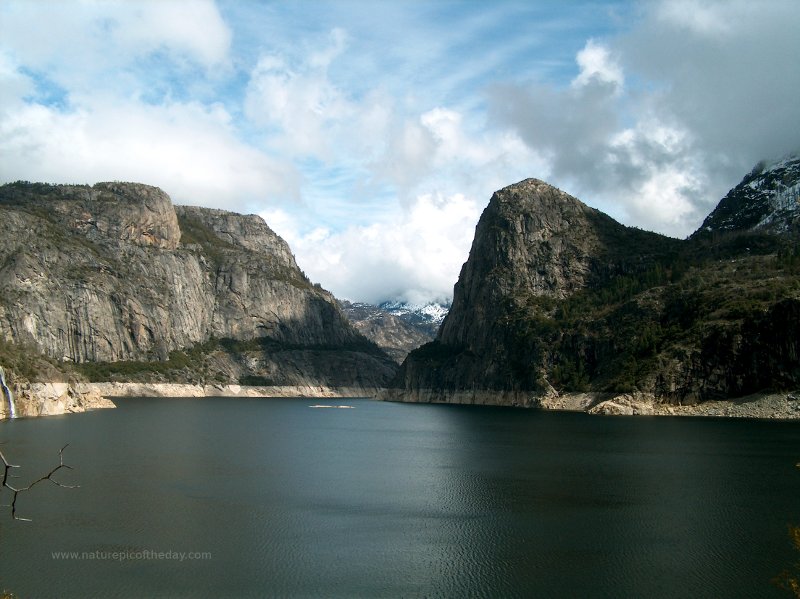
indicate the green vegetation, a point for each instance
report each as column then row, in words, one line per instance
column 193, row 231
column 180, row 365
column 193, row 364
column 27, row 362
column 127, row 370
column 221, row 252
column 788, row 259
column 718, row 299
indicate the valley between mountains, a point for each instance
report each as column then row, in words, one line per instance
column 112, row 290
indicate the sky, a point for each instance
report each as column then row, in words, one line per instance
column 371, row 135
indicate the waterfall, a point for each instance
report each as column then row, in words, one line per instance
column 8, row 394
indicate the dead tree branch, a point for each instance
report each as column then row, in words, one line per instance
column 15, row 491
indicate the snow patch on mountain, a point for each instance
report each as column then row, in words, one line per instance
column 432, row 313
column 768, row 199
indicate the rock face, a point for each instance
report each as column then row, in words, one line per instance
column 534, row 245
column 558, row 298
column 114, row 272
column 533, row 240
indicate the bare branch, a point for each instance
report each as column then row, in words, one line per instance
column 47, row 477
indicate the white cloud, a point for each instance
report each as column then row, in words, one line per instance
column 323, row 57
column 77, row 42
column 14, row 85
column 195, row 29
column 596, row 63
column 619, row 169
column 188, row 149
column 441, row 151
column 408, row 158
column 728, row 75
column 298, row 106
column 705, row 18
column 87, row 55
column 712, row 94
column 416, row 256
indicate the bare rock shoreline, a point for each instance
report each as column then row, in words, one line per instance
column 772, row 406
column 768, row 406
column 50, row 399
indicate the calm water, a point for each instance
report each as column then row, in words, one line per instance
column 399, row 500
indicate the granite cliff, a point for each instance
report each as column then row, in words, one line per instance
column 113, row 281
column 557, row 298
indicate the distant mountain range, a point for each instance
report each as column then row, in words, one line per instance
column 396, row 327
column 429, row 315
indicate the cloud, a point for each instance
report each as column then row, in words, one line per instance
column 295, row 102
column 661, row 121
column 415, row 256
column 596, row 63
column 188, row 149
column 77, row 102
column 727, row 74
column 133, row 47
column 703, row 18
column 14, row 86
column 596, row 157
column 409, row 156
column 442, row 151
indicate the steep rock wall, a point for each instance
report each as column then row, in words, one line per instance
column 114, row 272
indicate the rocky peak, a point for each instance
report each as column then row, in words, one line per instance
column 531, row 238
column 535, row 248
column 534, row 240
column 767, row 199
column 127, row 212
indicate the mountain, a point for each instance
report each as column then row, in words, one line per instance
column 393, row 333
column 114, row 282
column 558, row 298
column 425, row 317
column 767, row 199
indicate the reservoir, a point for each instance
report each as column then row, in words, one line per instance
column 224, row 497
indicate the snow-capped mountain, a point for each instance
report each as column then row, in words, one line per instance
column 397, row 331
column 767, row 199
column 431, row 314
column 397, row 327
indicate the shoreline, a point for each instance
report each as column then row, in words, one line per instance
column 51, row 399
column 54, row 399
column 757, row 406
